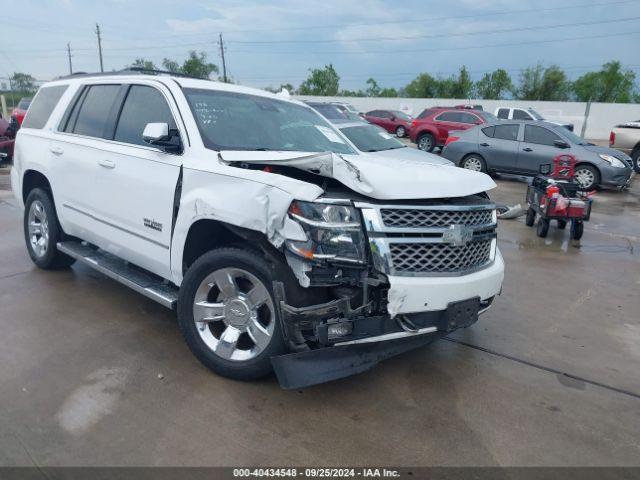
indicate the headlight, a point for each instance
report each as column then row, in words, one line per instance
column 334, row 232
column 612, row 160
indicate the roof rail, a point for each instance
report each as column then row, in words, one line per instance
column 129, row 71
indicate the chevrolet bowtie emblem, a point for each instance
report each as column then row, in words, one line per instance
column 458, row 235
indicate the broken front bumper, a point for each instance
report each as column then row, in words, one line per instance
column 372, row 339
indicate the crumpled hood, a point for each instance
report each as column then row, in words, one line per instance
column 376, row 177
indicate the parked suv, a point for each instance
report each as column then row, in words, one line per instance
column 393, row 121
column 431, row 128
column 278, row 245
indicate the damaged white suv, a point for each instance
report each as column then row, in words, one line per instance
column 280, row 246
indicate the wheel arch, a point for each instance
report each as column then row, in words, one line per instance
column 34, row 179
column 206, row 234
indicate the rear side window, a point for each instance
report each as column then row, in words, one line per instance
column 42, row 106
column 94, row 109
column 507, row 132
column 468, row 118
column 503, row 113
column 426, row 113
column 521, row 115
column 143, row 105
column 488, row 131
column 450, row 117
column 539, row 135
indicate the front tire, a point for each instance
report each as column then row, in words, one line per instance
column 227, row 314
column 635, row 159
column 531, row 217
column 543, row 227
column 42, row 232
column 401, row 132
column 426, row 142
column 587, row 177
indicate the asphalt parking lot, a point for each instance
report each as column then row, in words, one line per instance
column 92, row 373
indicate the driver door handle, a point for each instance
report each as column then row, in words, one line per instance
column 527, row 149
column 56, row 150
column 485, row 145
column 106, row 163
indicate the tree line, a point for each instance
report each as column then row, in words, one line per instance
column 611, row 84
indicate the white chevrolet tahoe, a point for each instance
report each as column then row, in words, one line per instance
column 279, row 245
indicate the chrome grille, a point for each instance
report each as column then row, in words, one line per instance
column 429, row 258
column 420, row 218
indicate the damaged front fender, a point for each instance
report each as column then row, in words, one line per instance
column 259, row 203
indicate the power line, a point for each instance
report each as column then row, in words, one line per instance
column 430, row 19
column 435, row 35
column 436, row 49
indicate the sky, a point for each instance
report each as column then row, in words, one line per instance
column 273, row 42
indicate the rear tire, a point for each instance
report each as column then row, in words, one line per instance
column 530, row 218
column 577, row 229
column 239, row 331
column 474, row 163
column 42, row 232
column 543, row 227
column 426, row 142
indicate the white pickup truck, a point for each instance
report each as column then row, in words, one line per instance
column 279, row 245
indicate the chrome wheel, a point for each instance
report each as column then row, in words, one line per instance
column 473, row 163
column 38, row 229
column 401, row 132
column 585, row 178
column 425, row 143
column 234, row 314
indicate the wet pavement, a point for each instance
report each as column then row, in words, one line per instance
column 93, row 374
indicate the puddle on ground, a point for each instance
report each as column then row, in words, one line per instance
column 89, row 403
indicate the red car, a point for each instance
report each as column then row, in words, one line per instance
column 7, row 139
column 21, row 110
column 393, row 121
column 433, row 125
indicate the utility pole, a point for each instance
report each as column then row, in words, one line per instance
column 99, row 46
column 69, row 55
column 224, row 64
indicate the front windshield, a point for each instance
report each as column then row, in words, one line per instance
column 239, row 121
column 401, row 115
column 369, row 138
column 535, row 114
column 332, row 112
column 488, row 117
column 572, row 137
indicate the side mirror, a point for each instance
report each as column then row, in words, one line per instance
column 160, row 135
column 561, row 144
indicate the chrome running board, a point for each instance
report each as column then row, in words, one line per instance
column 117, row 269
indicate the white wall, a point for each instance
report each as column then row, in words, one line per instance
column 602, row 117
